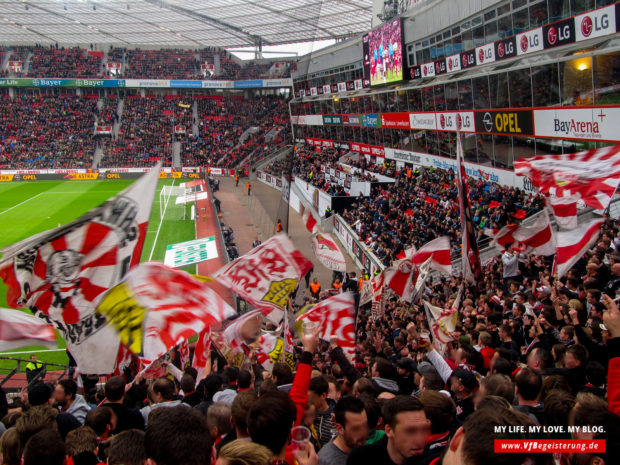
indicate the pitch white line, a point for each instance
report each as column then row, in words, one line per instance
column 20, row 203
column 4, row 354
column 161, row 220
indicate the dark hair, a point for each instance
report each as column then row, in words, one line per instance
column 165, row 387
column 480, row 432
column 373, row 410
column 528, row 383
column 244, row 380
column 440, row 410
column 347, row 404
column 69, row 386
column 385, row 368
column 230, row 373
column 270, row 420
column 45, row 448
column 319, row 385
column 98, row 419
column 433, row 380
column 398, row 405
column 502, row 366
column 499, row 385
column 595, row 373
column 557, row 407
column 241, row 406
column 127, row 448
column 39, row 394
column 188, row 383
column 176, row 435
column 579, row 352
column 115, row 388
column 543, row 356
column 282, row 372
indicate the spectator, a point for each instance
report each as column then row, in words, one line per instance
column 126, row 448
column 352, row 428
column 69, row 401
column 127, row 418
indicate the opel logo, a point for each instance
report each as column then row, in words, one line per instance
column 487, row 120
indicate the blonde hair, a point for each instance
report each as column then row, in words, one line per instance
column 245, row 453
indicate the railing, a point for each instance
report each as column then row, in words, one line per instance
column 40, row 374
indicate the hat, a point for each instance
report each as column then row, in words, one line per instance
column 496, row 300
column 466, row 377
column 226, row 396
column 425, row 367
column 407, row 364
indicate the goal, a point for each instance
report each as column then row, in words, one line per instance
column 164, row 197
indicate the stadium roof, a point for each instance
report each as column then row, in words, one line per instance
column 180, row 23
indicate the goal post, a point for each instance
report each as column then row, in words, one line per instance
column 164, row 197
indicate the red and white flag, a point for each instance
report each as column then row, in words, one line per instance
column 19, row 329
column 201, row 352
column 266, row 275
column 442, row 322
column 501, row 237
column 270, row 350
column 538, row 238
column 564, row 210
column 183, row 350
column 156, row 308
column 289, row 346
column 591, row 176
column 472, row 269
column 336, row 316
column 243, row 330
column 328, row 252
column 63, row 274
column 372, row 289
column 401, row 277
column 571, row 245
column 438, row 250
column 309, row 222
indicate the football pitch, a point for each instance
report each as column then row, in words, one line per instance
column 28, row 208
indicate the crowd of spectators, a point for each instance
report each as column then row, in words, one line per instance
column 536, row 355
column 46, row 131
column 73, row 62
column 161, row 64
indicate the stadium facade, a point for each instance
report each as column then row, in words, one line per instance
column 520, row 78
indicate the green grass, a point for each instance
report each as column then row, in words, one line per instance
column 28, row 208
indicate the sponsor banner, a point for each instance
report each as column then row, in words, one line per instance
column 220, row 85
column 310, row 120
column 334, row 88
column 422, row 121
column 372, row 150
column 366, row 57
column 332, row 120
column 404, row 155
column 559, row 33
column 6, row 177
column 313, row 91
column 509, row 122
column 191, row 197
column 350, row 85
column 186, row 84
column 342, row 87
column 468, row 59
column 320, row 142
column 146, row 83
column 596, row 23
column 327, row 89
column 371, row 121
column 190, row 252
column 170, row 175
column 485, row 54
column 530, row 41
column 578, row 123
column 506, row 48
column 453, row 62
column 358, row 84
column 351, row 120
column 428, row 70
column 283, row 82
column 440, row 67
column 459, row 120
column 366, row 83
column 395, row 121
column 415, row 72
column 81, row 176
column 103, row 130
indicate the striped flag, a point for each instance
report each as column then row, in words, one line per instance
column 537, row 238
column 571, row 245
column 438, row 250
column 564, row 210
column 591, row 176
column 19, row 329
column 201, row 352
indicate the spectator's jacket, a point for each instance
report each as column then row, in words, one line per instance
column 324, row 425
column 613, row 375
column 79, row 408
column 149, row 408
column 348, row 370
column 301, row 384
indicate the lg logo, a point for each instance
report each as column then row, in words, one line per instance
column 586, row 26
column 552, row 35
column 500, row 50
column 481, row 55
column 524, row 43
column 442, row 121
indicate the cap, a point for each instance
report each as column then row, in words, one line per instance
column 425, row 367
column 407, row 364
column 466, row 377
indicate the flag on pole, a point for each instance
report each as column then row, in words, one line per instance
column 438, row 250
column 201, row 352
column 501, row 237
column 309, row 222
column 336, row 316
column 571, row 245
column 243, row 330
column 156, row 308
column 62, row 274
column 537, row 238
column 328, row 252
column 472, row 269
column 270, row 350
column 289, row 346
column 564, row 210
column 19, row 329
column 266, row 275
column 401, row 277
column 442, row 322
column 591, row 176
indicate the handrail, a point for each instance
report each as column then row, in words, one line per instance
column 41, row 373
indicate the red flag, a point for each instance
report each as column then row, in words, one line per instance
column 336, row 317
column 266, row 275
column 409, row 212
column 183, row 350
column 574, row 243
column 537, row 238
column 472, row 270
column 565, row 211
column 401, row 277
column 62, row 274
column 519, row 214
column 309, row 222
column 439, row 252
column 429, row 199
column 591, row 176
column 501, row 237
column 494, row 204
column 19, row 329
column 400, row 255
column 328, row 252
column 201, row 351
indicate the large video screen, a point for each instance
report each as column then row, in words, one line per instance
column 385, row 53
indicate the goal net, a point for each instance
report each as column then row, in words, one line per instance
column 167, row 195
